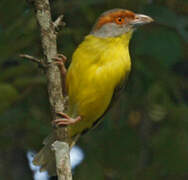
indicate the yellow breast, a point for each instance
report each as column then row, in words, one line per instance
column 98, row 66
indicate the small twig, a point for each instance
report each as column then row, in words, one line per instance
column 58, row 23
column 62, row 160
column 34, row 59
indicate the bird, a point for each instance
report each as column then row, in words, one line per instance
column 98, row 72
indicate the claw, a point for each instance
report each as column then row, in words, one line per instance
column 62, row 56
column 63, row 115
column 60, row 59
column 66, row 120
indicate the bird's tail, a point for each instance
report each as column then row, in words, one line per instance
column 45, row 158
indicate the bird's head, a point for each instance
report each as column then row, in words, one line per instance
column 116, row 22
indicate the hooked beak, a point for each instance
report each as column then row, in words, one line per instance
column 141, row 19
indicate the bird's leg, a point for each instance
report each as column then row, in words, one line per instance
column 60, row 59
column 66, row 120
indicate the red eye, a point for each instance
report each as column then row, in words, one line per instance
column 120, row 20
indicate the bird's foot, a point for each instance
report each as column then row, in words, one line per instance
column 60, row 59
column 66, row 120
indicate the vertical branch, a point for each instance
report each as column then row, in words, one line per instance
column 62, row 160
column 49, row 46
column 49, row 38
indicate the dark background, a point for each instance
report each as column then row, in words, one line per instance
column 144, row 137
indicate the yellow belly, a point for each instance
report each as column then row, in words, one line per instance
column 97, row 67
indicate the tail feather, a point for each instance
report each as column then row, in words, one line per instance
column 45, row 158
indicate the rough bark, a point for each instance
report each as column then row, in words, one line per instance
column 62, row 160
column 49, row 46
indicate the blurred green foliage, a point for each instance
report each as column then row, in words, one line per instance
column 145, row 136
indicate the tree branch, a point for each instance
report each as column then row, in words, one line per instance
column 40, row 62
column 31, row 58
column 59, row 23
column 49, row 46
column 62, row 160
